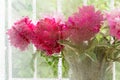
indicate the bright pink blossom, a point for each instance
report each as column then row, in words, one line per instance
column 83, row 25
column 113, row 19
column 20, row 33
column 47, row 33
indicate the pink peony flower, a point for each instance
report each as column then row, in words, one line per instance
column 113, row 19
column 83, row 25
column 47, row 33
column 20, row 33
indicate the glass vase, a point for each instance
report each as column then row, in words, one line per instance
column 82, row 67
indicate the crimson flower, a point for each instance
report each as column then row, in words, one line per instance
column 83, row 25
column 113, row 19
column 20, row 33
column 47, row 33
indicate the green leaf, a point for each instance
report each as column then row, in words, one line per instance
column 100, row 52
column 92, row 56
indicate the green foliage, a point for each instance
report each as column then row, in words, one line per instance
column 48, row 65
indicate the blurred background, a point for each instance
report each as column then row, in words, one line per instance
column 17, row 65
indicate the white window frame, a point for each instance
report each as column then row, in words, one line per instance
column 2, row 40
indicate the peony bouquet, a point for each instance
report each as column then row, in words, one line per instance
column 89, row 40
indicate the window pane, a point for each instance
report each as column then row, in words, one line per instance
column 70, row 6
column 21, row 59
